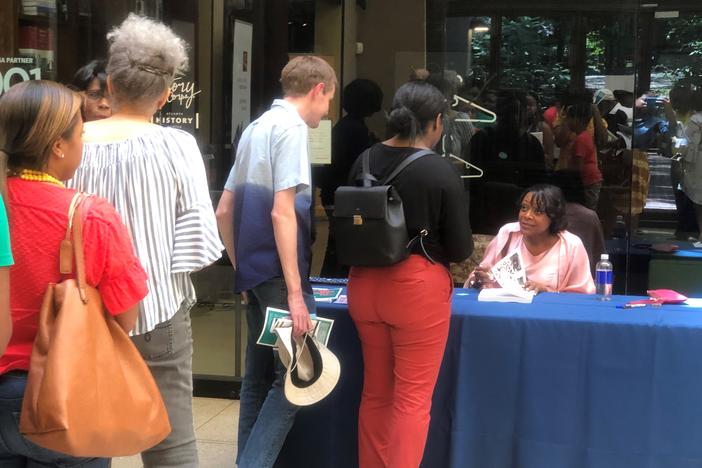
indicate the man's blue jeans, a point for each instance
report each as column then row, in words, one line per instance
column 15, row 450
column 265, row 416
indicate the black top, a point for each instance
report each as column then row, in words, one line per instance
column 433, row 198
column 508, row 157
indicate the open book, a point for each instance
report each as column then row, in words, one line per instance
column 511, row 276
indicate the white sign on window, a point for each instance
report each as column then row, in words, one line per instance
column 320, row 143
column 241, row 77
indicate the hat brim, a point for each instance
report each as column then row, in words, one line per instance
column 327, row 372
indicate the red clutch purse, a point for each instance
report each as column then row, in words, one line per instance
column 666, row 296
column 657, row 297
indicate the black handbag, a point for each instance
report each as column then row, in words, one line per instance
column 369, row 221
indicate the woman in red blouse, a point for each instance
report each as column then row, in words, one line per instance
column 42, row 141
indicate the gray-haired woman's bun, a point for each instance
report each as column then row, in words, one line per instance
column 145, row 58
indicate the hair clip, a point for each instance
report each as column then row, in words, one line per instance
column 148, row 68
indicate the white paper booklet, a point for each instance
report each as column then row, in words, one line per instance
column 510, row 272
column 511, row 275
column 505, row 295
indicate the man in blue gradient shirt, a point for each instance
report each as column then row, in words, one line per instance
column 264, row 220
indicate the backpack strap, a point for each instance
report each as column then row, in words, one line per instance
column 366, row 178
column 409, row 160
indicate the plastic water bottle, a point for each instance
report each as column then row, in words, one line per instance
column 603, row 278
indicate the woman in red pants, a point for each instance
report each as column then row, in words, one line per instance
column 402, row 311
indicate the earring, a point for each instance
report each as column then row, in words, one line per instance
column 61, row 155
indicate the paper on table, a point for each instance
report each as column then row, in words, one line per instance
column 505, row 295
column 511, row 275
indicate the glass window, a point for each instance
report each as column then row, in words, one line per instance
column 537, row 67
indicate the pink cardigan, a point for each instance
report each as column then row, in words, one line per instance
column 574, row 273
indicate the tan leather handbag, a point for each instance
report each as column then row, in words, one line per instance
column 89, row 392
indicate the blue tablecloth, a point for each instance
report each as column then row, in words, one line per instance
column 568, row 381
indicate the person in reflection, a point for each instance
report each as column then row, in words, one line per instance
column 582, row 221
column 583, row 155
column 458, row 131
column 678, row 110
column 692, row 157
column 555, row 259
column 539, row 128
column 91, row 82
column 606, row 102
column 512, row 159
column 350, row 137
column 402, row 311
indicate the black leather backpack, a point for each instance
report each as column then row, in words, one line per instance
column 369, row 222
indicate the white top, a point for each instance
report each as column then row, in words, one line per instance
column 156, row 181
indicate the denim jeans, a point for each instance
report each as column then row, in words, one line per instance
column 168, row 351
column 265, row 415
column 15, row 450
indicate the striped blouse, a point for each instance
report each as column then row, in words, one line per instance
column 156, row 181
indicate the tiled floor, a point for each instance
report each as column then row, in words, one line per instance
column 215, row 424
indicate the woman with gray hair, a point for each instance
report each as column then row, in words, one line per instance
column 155, row 177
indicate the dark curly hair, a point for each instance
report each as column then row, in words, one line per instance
column 87, row 73
column 550, row 200
column 415, row 105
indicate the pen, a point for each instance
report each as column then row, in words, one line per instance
column 631, row 306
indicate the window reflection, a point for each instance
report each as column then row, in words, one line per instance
column 627, row 75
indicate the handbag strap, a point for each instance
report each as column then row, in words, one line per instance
column 367, row 178
column 72, row 245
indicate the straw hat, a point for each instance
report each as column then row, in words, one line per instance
column 312, row 370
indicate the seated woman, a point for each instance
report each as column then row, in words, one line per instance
column 555, row 259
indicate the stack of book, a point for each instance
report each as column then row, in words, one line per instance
column 39, row 7
column 36, row 41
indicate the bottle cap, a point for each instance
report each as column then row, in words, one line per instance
column 604, row 257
